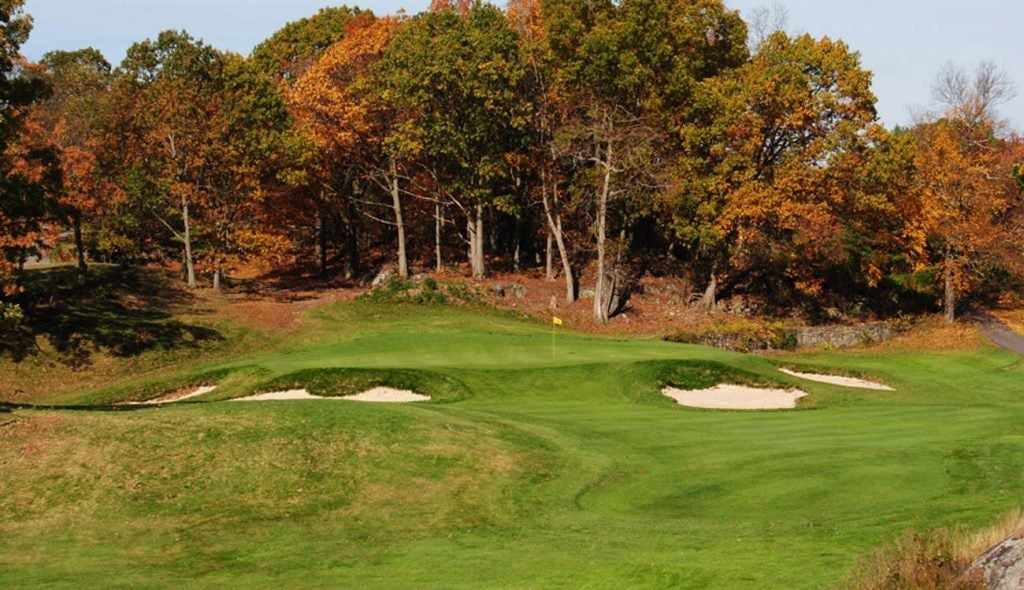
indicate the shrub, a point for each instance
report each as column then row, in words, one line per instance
column 741, row 336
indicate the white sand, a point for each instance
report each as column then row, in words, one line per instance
column 385, row 395
column 840, row 381
column 177, row 397
column 736, row 397
column 291, row 394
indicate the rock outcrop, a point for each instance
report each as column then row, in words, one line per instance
column 1002, row 566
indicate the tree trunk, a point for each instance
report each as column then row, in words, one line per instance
column 949, row 303
column 190, row 268
column 438, row 228
column 555, row 228
column 352, row 251
column 709, row 301
column 549, row 257
column 216, row 280
column 477, row 237
column 351, row 237
column 396, row 198
column 321, row 241
column 83, row 269
column 518, row 242
column 600, row 310
column 492, row 234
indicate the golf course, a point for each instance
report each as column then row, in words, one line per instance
column 537, row 463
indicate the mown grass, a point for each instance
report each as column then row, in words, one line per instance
column 533, row 468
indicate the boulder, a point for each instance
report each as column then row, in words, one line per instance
column 497, row 289
column 383, row 278
column 1002, row 567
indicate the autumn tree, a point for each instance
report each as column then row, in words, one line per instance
column 73, row 119
column 461, row 74
column 339, row 102
column 289, row 52
column 967, row 190
column 171, row 85
column 246, row 150
column 628, row 67
column 771, row 164
column 26, row 173
column 550, row 110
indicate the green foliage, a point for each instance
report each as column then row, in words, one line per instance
column 463, row 78
column 289, row 52
column 425, row 292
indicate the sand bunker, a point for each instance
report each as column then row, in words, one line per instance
column 177, row 396
column 384, row 395
column 840, row 381
column 291, row 394
column 736, row 397
column 387, row 395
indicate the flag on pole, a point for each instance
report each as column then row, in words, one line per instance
column 555, row 321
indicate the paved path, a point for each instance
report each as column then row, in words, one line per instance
column 998, row 332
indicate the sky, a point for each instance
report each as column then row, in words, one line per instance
column 904, row 42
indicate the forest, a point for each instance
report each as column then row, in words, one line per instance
column 592, row 141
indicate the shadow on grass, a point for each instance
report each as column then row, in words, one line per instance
column 122, row 311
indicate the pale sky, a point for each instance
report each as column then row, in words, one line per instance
column 904, row 42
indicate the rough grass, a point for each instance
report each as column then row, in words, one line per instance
column 534, row 468
column 939, row 559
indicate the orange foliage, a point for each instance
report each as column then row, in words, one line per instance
column 330, row 101
column 460, row 6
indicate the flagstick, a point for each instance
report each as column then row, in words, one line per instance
column 552, row 339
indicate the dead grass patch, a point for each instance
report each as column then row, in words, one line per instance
column 933, row 333
column 939, row 560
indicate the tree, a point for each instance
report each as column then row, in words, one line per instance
column 967, row 187
column 73, row 118
column 339, row 102
column 549, row 113
column 289, row 52
column 630, row 67
column 245, row 151
column 966, row 196
column 462, row 76
column 26, row 172
column 973, row 100
column 170, row 85
column 771, row 164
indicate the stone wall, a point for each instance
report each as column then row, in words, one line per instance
column 842, row 336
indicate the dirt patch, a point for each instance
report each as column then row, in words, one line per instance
column 837, row 380
column 273, row 313
column 736, row 397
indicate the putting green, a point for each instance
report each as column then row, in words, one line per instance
column 528, row 470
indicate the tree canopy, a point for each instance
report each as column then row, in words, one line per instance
column 616, row 137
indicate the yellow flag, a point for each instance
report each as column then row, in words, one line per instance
column 556, row 321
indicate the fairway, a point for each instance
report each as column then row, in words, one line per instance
column 531, row 468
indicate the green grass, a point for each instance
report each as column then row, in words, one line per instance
column 530, row 470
